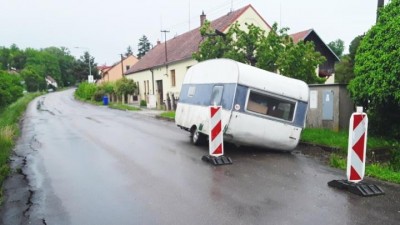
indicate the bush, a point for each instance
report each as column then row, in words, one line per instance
column 86, row 91
column 143, row 103
column 395, row 160
column 10, row 89
column 98, row 95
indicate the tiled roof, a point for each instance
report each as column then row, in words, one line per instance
column 300, row 36
column 183, row 46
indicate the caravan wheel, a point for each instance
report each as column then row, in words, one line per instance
column 196, row 137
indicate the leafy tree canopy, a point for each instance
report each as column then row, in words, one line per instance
column 10, row 88
column 337, row 47
column 125, row 86
column 274, row 51
column 377, row 69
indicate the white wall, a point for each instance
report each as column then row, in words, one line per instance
column 159, row 73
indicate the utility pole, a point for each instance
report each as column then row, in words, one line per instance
column 122, row 65
column 166, row 54
column 381, row 3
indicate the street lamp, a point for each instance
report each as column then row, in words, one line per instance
column 90, row 77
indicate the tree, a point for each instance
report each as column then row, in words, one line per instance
column 125, row 87
column 299, row 61
column 337, row 47
column 274, row 52
column 143, row 46
column 33, row 81
column 66, row 63
column 214, row 45
column 355, row 43
column 82, row 67
column 129, row 51
column 271, row 48
column 376, row 84
column 10, row 88
column 344, row 70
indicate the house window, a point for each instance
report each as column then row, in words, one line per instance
column 145, row 88
column 127, row 67
column 270, row 105
column 148, row 87
column 216, row 95
column 173, row 81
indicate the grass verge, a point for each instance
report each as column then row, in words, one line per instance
column 381, row 170
column 9, row 130
column 123, row 107
column 169, row 115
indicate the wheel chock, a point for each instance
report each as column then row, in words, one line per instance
column 217, row 160
column 361, row 188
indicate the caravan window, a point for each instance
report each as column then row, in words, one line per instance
column 216, row 95
column 191, row 91
column 270, row 105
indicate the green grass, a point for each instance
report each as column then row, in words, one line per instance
column 170, row 115
column 339, row 139
column 9, row 130
column 123, row 107
column 382, row 171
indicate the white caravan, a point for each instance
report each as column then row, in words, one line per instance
column 259, row 108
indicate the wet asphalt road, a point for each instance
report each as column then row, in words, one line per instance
column 81, row 164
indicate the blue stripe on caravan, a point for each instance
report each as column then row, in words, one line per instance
column 202, row 95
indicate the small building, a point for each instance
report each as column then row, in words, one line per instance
column 51, row 82
column 327, row 69
column 117, row 70
column 330, row 107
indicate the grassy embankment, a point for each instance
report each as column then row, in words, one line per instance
column 387, row 169
column 383, row 160
column 9, row 131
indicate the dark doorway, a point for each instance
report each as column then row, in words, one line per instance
column 160, row 91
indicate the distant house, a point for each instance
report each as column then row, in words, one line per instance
column 51, row 82
column 327, row 69
column 117, row 70
column 158, row 73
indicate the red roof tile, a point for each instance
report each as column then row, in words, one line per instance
column 300, row 36
column 183, row 46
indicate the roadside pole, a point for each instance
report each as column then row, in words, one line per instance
column 356, row 158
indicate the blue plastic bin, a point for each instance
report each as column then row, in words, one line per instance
column 105, row 100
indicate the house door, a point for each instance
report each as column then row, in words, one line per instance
column 160, row 90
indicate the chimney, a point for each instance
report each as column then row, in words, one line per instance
column 381, row 3
column 202, row 18
column 158, row 42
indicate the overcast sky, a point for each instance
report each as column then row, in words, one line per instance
column 107, row 28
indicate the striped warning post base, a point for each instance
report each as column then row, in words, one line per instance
column 356, row 159
column 357, row 146
column 216, row 142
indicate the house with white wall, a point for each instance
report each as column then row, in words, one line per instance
column 163, row 68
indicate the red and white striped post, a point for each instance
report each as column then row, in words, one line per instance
column 357, row 146
column 216, row 141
